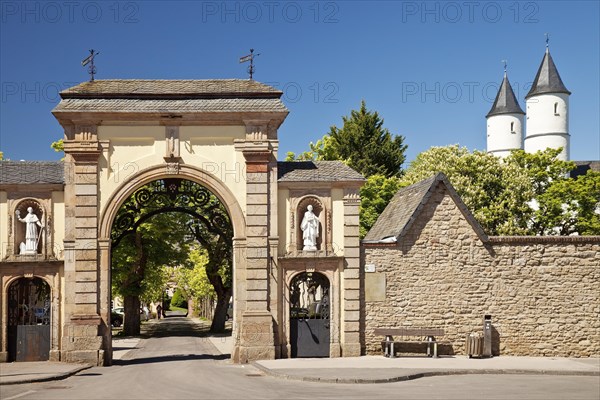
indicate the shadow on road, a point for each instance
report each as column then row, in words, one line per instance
column 176, row 326
column 175, row 357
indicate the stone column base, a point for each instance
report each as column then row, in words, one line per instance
column 54, row 355
column 350, row 349
column 3, row 356
column 82, row 343
column 256, row 341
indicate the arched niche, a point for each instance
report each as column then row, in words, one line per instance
column 320, row 212
column 20, row 228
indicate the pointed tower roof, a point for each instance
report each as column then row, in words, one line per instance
column 547, row 79
column 506, row 101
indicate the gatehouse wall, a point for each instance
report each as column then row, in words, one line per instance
column 542, row 292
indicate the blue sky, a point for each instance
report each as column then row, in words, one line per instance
column 431, row 69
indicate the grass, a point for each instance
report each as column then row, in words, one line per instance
column 173, row 308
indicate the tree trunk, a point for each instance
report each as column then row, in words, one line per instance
column 218, row 322
column 131, row 322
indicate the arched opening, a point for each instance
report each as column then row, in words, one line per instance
column 29, row 312
column 310, row 305
column 171, row 239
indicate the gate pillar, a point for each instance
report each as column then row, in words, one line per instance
column 81, row 340
column 256, row 331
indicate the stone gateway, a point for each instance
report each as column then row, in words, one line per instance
column 297, row 263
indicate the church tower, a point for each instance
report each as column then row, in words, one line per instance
column 548, row 111
column 504, row 122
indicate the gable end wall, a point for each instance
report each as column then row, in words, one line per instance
column 542, row 293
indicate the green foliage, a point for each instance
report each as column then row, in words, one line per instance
column 362, row 143
column 139, row 261
column 375, row 196
column 1, row 155
column 502, row 194
column 570, row 206
column 366, row 145
column 58, row 146
column 179, row 299
column 192, row 275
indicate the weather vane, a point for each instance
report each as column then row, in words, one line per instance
column 547, row 39
column 90, row 60
column 250, row 57
column 505, row 64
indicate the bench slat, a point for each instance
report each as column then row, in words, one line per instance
column 409, row 332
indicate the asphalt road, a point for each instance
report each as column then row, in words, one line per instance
column 177, row 362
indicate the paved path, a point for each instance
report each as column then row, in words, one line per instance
column 177, row 360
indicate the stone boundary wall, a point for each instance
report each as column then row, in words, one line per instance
column 542, row 292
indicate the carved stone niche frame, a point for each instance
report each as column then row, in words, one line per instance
column 321, row 203
column 16, row 234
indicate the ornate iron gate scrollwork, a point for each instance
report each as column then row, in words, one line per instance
column 171, row 194
column 310, row 315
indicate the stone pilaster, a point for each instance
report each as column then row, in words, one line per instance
column 81, row 341
column 256, row 329
column 350, row 332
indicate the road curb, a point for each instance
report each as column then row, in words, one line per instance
column 54, row 377
column 424, row 374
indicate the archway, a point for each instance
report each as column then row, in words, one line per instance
column 161, row 226
column 310, row 325
column 222, row 216
column 29, row 312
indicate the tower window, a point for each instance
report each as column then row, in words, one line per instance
column 555, row 108
column 512, row 127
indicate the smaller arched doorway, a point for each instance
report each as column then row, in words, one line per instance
column 29, row 308
column 310, row 305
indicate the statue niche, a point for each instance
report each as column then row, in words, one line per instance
column 310, row 228
column 29, row 238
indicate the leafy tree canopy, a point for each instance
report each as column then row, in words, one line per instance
column 362, row 143
column 523, row 194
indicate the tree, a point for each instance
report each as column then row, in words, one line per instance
column 1, row 156
column 179, row 298
column 375, row 195
column 219, row 267
column 193, row 279
column 58, row 146
column 502, row 193
column 138, row 262
column 362, row 143
column 570, row 206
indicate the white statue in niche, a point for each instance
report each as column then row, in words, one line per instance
column 32, row 239
column 310, row 229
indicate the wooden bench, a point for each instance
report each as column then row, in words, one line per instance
column 425, row 335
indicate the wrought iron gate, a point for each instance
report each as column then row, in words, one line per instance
column 309, row 315
column 29, row 320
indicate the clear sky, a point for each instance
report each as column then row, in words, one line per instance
column 431, row 69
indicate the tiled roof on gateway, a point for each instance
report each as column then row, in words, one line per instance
column 32, row 172
column 316, row 171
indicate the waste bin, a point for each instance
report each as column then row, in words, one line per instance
column 474, row 345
